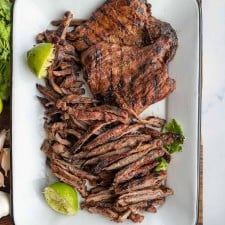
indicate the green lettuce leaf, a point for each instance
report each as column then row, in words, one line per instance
column 172, row 127
column 162, row 166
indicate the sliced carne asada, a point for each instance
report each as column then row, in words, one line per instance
column 136, row 156
column 70, row 179
column 107, row 158
column 140, row 172
column 127, row 141
column 142, row 195
column 93, row 131
column 50, row 94
column 154, row 179
column 150, row 157
column 62, row 29
column 155, row 121
column 104, row 195
column 75, row 171
column 97, row 189
column 114, row 133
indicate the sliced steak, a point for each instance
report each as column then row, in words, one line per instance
column 153, row 179
column 142, row 195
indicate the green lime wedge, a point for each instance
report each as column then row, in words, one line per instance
column 1, row 105
column 40, row 57
column 62, row 198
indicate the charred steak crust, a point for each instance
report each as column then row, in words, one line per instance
column 126, row 59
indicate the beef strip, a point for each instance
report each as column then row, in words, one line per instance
column 70, row 179
column 92, row 131
column 141, row 171
column 113, row 134
column 129, row 140
column 141, row 152
column 47, row 92
column 75, row 171
column 104, row 195
column 153, row 179
column 150, row 157
column 142, row 195
column 106, row 159
column 97, row 189
column 88, row 115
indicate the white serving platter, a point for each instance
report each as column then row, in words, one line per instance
column 30, row 173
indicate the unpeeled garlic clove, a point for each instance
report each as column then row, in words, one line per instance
column 3, row 134
column 5, row 162
column 2, row 180
column 4, row 204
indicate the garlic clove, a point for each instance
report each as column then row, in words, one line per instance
column 3, row 134
column 5, row 162
column 4, row 204
column 2, row 180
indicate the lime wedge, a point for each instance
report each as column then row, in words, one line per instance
column 40, row 57
column 62, row 198
column 1, row 105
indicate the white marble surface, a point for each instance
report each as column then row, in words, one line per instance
column 213, row 111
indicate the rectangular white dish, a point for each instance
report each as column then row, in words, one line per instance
column 30, row 173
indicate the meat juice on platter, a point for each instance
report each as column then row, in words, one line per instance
column 123, row 52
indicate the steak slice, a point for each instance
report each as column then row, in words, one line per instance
column 142, row 195
column 153, row 179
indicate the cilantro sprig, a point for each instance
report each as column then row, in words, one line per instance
column 5, row 51
column 172, row 127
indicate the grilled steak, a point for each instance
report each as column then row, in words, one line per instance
column 131, row 77
column 125, row 54
column 116, row 21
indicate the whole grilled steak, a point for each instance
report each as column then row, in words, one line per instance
column 130, row 76
column 125, row 53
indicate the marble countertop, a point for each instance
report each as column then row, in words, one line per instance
column 213, row 111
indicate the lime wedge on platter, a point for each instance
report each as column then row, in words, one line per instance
column 62, row 198
column 40, row 57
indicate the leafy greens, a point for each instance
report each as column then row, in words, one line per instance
column 5, row 32
column 176, row 146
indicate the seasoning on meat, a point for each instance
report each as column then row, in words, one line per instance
column 100, row 142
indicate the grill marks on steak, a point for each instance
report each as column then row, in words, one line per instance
column 137, row 77
column 120, row 21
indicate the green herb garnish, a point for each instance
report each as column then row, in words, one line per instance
column 162, row 166
column 5, row 31
column 174, row 128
